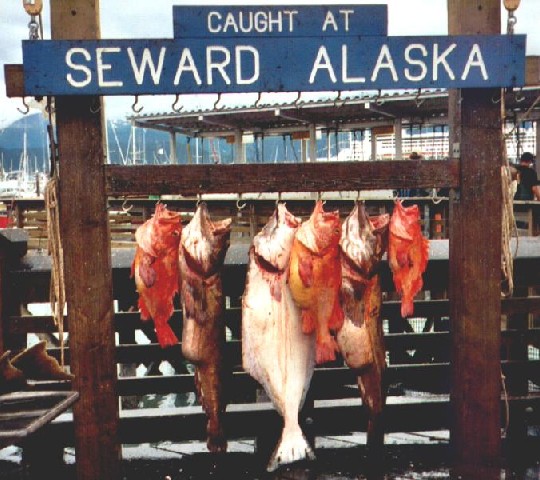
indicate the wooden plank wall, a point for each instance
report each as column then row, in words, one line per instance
column 337, row 409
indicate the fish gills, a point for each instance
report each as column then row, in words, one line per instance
column 202, row 251
column 155, row 268
column 315, row 278
column 408, row 254
column 363, row 242
column 275, row 351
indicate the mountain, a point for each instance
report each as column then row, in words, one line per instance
column 151, row 146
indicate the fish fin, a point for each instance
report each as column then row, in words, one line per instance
column 145, row 313
column 308, row 321
column 292, row 447
column 336, row 319
column 325, row 350
column 305, row 269
column 146, row 270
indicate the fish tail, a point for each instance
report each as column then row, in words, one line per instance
column 292, row 447
column 165, row 335
column 407, row 307
column 326, row 349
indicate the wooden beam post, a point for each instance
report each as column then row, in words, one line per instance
column 87, row 259
column 475, row 260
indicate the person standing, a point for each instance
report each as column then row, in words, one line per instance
column 528, row 186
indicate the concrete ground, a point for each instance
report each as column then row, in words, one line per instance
column 411, row 456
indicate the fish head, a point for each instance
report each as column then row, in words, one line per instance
column 161, row 233
column 404, row 222
column 274, row 242
column 327, row 227
column 364, row 239
column 205, row 241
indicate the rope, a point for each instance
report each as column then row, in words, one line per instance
column 57, row 292
column 509, row 227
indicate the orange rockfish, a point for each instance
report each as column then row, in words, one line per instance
column 315, row 278
column 155, row 268
column 275, row 351
column 363, row 243
column 202, row 253
column 408, row 254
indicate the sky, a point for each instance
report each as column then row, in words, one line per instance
column 134, row 19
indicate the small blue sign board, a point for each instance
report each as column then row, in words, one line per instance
column 316, row 49
column 279, row 21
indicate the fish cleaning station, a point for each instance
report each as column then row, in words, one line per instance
column 289, row 306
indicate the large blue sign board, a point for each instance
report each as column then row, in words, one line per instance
column 279, row 21
column 306, row 55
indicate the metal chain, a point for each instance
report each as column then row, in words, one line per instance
column 33, row 29
column 511, row 23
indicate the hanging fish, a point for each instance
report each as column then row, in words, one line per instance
column 363, row 243
column 155, row 268
column 315, row 278
column 201, row 255
column 408, row 254
column 275, row 351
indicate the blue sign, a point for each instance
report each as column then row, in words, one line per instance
column 279, row 21
column 278, row 64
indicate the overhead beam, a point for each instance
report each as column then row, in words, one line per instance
column 284, row 177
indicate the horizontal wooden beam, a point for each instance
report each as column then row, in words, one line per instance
column 14, row 75
column 532, row 71
column 285, row 177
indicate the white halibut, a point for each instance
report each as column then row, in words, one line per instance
column 275, row 351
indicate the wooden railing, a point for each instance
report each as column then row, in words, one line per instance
column 333, row 404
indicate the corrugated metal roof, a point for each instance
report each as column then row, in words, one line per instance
column 345, row 111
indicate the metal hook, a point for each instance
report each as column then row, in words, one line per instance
column 257, row 104
column 96, row 109
column 434, row 197
column 24, row 112
column 199, row 200
column 378, row 99
column 217, row 101
column 496, row 100
column 124, row 208
column 518, row 96
column 174, row 107
column 278, row 200
column 296, row 102
column 134, row 106
column 338, row 100
column 238, row 206
column 417, row 99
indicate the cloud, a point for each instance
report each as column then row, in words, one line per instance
column 153, row 19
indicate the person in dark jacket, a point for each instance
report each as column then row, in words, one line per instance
column 528, row 185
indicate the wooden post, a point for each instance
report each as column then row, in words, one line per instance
column 87, row 259
column 475, row 260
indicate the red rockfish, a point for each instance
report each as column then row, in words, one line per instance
column 408, row 253
column 201, row 255
column 275, row 351
column 155, row 268
column 315, row 278
column 363, row 243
